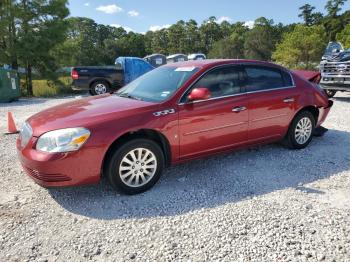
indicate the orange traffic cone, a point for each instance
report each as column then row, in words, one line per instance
column 11, row 126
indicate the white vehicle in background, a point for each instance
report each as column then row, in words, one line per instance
column 197, row 57
column 176, row 58
column 335, row 69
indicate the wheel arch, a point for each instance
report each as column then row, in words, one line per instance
column 312, row 109
column 99, row 80
column 151, row 134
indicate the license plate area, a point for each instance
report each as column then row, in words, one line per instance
column 339, row 80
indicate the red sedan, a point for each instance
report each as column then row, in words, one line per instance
column 173, row 114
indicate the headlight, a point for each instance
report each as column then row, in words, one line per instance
column 63, row 140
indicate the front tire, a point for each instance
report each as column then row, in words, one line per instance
column 300, row 131
column 330, row 93
column 135, row 166
column 99, row 88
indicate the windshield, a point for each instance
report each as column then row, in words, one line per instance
column 333, row 47
column 157, row 85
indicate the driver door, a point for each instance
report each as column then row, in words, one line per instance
column 219, row 122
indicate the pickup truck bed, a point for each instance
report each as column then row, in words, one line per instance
column 97, row 80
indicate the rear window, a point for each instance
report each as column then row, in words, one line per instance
column 288, row 81
column 264, row 78
column 118, row 65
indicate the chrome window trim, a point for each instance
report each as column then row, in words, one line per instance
column 271, row 89
column 239, row 94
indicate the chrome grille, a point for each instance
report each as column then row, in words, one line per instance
column 335, row 69
column 25, row 134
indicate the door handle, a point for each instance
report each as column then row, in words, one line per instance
column 239, row 109
column 288, row 100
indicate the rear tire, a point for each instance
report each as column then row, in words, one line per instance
column 99, row 88
column 300, row 131
column 330, row 93
column 135, row 166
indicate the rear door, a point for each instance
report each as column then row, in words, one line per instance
column 271, row 98
column 216, row 123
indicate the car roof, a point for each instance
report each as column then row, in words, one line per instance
column 207, row 63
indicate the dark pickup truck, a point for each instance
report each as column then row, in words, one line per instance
column 97, row 80
column 335, row 69
column 107, row 79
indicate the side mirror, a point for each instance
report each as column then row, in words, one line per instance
column 200, row 93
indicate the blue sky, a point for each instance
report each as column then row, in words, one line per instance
column 143, row 15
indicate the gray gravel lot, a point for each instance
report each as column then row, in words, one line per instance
column 262, row 204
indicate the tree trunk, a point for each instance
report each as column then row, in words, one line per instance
column 29, row 80
column 14, row 60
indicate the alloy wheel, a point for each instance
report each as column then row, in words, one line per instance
column 100, row 89
column 303, row 130
column 138, row 167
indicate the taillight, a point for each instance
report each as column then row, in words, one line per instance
column 74, row 74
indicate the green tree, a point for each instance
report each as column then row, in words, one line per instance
column 29, row 31
column 230, row 47
column 302, row 47
column 8, row 40
column 132, row 44
column 309, row 16
column 160, row 42
column 333, row 22
column 226, row 29
column 177, row 37
column 261, row 40
column 333, row 7
column 193, row 37
column 210, row 33
column 41, row 28
column 344, row 37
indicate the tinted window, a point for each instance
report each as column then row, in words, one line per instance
column 262, row 78
column 224, row 81
column 287, row 79
column 118, row 66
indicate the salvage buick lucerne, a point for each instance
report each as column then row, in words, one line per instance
column 175, row 113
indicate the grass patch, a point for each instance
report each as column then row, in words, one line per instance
column 49, row 88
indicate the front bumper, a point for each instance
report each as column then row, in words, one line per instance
column 338, row 82
column 60, row 169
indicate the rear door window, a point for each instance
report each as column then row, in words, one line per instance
column 264, row 78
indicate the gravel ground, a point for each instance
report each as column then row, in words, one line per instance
column 262, row 204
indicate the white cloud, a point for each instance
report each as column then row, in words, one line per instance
column 158, row 27
column 109, row 9
column 223, row 18
column 249, row 24
column 87, row 4
column 133, row 13
column 126, row 28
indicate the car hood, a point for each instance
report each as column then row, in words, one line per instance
column 86, row 112
column 340, row 57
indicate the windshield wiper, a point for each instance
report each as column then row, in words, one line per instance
column 129, row 96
